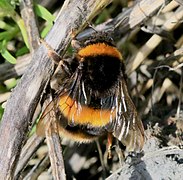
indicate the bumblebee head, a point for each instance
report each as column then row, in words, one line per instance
column 83, row 40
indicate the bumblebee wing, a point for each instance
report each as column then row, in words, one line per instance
column 46, row 118
column 53, row 111
column 128, row 127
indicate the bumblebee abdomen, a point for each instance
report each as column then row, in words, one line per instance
column 84, row 115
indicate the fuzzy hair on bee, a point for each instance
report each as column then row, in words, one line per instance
column 91, row 96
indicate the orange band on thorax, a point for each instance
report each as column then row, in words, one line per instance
column 99, row 49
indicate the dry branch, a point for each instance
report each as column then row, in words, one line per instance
column 8, row 70
column 38, row 169
column 29, row 18
column 28, row 150
column 55, row 153
column 24, row 99
column 154, row 41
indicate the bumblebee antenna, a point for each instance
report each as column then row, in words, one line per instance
column 51, row 52
column 89, row 24
column 120, row 22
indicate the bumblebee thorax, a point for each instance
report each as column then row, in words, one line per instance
column 101, row 66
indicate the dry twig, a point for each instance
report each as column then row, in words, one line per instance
column 38, row 169
column 29, row 18
column 28, row 150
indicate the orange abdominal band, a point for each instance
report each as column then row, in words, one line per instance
column 99, row 49
column 84, row 115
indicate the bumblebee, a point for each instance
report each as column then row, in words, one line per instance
column 91, row 96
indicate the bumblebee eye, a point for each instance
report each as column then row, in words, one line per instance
column 76, row 44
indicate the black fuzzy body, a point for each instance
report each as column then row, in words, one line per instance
column 101, row 74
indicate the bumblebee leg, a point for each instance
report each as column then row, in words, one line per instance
column 120, row 153
column 108, row 154
column 109, row 145
column 101, row 157
column 51, row 52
